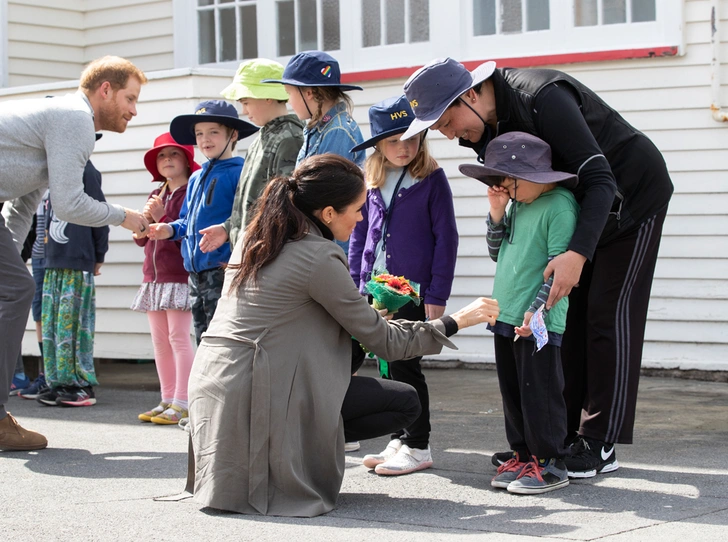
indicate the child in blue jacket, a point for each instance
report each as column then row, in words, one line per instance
column 215, row 128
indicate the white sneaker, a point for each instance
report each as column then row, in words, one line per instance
column 406, row 460
column 352, row 446
column 372, row 460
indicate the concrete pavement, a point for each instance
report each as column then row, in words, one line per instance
column 97, row 479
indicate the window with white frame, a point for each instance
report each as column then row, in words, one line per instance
column 389, row 22
column 376, row 35
column 227, row 30
column 602, row 12
column 530, row 28
column 509, row 16
column 304, row 25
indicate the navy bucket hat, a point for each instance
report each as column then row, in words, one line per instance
column 521, row 156
column 434, row 87
column 182, row 127
column 387, row 118
column 312, row 69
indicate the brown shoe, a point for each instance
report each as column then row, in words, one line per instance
column 14, row 438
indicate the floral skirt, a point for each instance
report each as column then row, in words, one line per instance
column 68, row 321
column 162, row 296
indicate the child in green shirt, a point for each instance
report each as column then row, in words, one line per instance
column 537, row 227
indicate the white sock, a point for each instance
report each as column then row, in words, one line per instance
column 180, row 404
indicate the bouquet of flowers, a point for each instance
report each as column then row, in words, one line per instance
column 391, row 292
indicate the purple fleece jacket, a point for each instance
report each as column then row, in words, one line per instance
column 424, row 238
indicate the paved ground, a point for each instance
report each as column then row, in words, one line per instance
column 97, row 479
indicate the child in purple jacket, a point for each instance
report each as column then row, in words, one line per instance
column 409, row 229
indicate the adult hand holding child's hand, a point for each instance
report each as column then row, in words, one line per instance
column 135, row 221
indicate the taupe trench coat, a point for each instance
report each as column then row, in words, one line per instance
column 269, row 380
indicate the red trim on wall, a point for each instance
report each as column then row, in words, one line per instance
column 521, row 62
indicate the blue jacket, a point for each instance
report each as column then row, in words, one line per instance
column 207, row 205
column 70, row 246
column 424, row 238
column 336, row 133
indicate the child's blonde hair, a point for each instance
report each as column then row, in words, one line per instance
column 376, row 166
column 322, row 95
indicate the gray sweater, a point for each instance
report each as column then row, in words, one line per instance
column 45, row 143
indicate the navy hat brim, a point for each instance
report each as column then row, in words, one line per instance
column 296, row 83
column 374, row 140
column 182, row 127
column 488, row 175
column 478, row 75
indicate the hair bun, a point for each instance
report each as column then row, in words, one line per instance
column 292, row 184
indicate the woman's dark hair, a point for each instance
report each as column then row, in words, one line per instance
column 283, row 211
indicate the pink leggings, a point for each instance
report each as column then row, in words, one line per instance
column 173, row 351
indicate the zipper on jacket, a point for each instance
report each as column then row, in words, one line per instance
column 154, row 261
column 618, row 213
column 208, row 201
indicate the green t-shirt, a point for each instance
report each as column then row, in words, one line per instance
column 542, row 228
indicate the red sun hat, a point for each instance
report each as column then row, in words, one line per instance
column 166, row 140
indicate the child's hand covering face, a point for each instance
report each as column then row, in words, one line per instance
column 498, row 198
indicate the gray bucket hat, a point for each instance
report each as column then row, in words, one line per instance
column 434, row 87
column 521, row 156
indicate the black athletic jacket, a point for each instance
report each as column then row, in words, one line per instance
column 623, row 179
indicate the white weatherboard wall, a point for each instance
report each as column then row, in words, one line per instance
column 51, row 40
column 45, row 41
column 667, row 98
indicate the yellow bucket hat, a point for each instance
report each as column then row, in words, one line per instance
column 247, row 81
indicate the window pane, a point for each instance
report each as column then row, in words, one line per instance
column 537, row 15
column 205, row 2
column 308, row 39
column 286, row 28
column 371, row 23
column 332, row 32
column 585, row 13
column 225, row 1
column 614, row 11
column 511, row 16
column 394, row 19
column 228, row 47
column 249, row 30
column 419, row 15
column 206, row 31
column 643, row 10
column 483, row 17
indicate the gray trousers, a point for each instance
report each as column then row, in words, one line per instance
column 16, row 295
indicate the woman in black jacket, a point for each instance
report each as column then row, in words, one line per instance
column 624, row 190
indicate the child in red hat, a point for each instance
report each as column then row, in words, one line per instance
column 164, row 294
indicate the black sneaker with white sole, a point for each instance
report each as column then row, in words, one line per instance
column 76, row 397
column 591, row 456
column 49, row 396
column 499, row 458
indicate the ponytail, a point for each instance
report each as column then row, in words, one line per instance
column 286, row 208
column 275, row 220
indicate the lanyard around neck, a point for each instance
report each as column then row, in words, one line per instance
column 388, row 216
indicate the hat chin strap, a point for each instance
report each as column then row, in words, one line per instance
column 224, row 148
column 310, row 115
column 486, row 128
column 485, row 124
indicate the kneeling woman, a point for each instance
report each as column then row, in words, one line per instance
column 270, row 377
